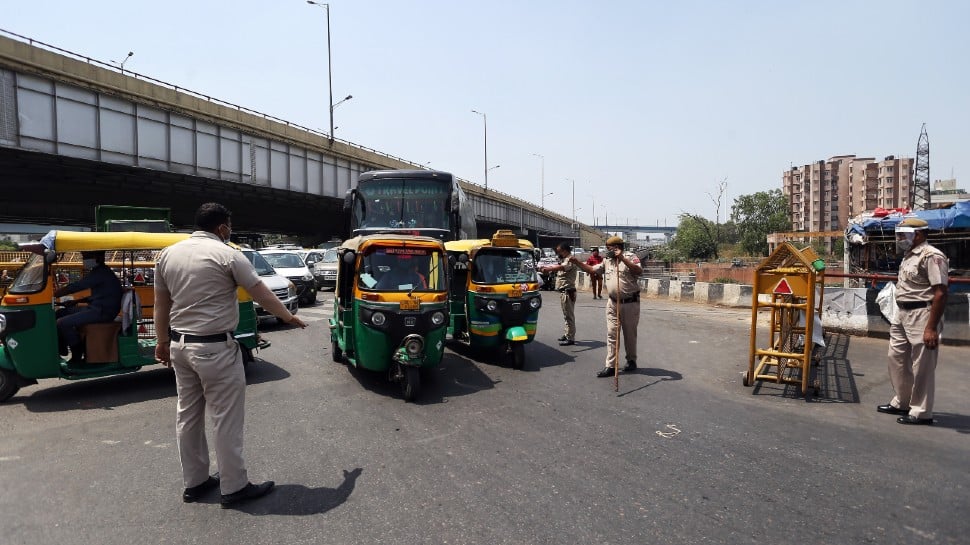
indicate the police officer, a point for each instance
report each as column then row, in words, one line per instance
column 567, row 270
column 921, row 292
column 621, row 271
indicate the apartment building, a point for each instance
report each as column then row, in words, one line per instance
column 822, row 196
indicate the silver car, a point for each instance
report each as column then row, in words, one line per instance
column 325, row 269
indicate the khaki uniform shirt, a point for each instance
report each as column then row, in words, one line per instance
column 610, row 269
column 201, row 274
column 922, row 268
column 566, row 278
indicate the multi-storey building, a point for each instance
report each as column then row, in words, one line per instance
column 822, row 196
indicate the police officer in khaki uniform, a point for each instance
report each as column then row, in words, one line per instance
column 921, row 292
column 196, row 311
column 567, row 270
column 621, row 271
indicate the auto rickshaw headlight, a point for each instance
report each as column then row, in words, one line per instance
column 438, row 318
column 414, row 346
column 378, row 319
column 491, row 305
column 535, row 302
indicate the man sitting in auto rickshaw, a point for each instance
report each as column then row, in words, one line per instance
column 103, row 304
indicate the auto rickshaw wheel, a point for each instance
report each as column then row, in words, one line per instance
column 518, row 355
column 336, row 353
column 411, row 383
column 8, row 384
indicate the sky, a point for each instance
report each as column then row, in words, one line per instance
column 638, row 109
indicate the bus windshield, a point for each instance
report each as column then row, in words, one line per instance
column 400, row 203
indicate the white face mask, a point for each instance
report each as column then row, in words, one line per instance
column 905, row 244
column 90, row 263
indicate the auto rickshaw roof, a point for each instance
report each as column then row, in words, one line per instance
column 80, row 241
column 388, row 239
column 473, row 245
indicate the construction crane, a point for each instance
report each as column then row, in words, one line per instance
column 919, row 196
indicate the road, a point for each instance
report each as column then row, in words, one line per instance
column 683, row 453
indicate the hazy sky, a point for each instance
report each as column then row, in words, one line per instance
column 646, row 105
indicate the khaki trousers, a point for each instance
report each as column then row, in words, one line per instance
column 210, row 375
column 912, row 366
column 629, row 320
column 568, row 314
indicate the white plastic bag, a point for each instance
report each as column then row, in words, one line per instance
column 886, row 299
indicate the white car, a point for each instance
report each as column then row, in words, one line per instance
column 277, row 283
column 290, row 264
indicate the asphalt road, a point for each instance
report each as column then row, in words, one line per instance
column 683, row 453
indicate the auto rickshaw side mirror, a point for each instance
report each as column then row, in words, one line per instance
column 350, row 257
column 463, row 258
column 50, row 256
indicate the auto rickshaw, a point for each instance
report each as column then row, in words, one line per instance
column 494, row 294
column 28, row 331
column 391, row 306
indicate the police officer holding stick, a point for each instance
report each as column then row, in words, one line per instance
column 621, row 271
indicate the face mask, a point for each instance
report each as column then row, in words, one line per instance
column 904, row 241
column 90, row 263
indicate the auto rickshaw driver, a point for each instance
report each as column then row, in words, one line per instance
column 103, row 305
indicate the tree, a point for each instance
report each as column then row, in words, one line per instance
column 695, row 237
column 757, row 215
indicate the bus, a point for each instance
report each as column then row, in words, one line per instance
column 410, row 202
column 113, row 218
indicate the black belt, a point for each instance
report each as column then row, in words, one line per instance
column 632, row 299
column 218, row 337
column 910, row 305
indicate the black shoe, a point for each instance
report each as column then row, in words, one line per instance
column 915, row 421
column 249, row 492
column 630, row 366
column 563, row 338
column 567, row 342
column 606, row 372
column 889, row 409
column 194, row 493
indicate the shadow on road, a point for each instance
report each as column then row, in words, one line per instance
column 665, row 374
column 831, row 372
column 455, row 376
column 117, row 391
column 300, row 501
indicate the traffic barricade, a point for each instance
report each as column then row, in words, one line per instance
column 789, row 282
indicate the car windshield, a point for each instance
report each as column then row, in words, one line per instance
column 503, row 267
column 284, row 260
column 402, row 269
column 259, row 262
column 330, row 256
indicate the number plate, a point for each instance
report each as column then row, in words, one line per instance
column 515, row 293
column 411, row 304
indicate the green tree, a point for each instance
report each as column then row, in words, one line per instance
column 757, row 215
column 695, row 237
column 8, row 245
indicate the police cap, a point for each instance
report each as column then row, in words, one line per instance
column 912, row 224
column 614, row 241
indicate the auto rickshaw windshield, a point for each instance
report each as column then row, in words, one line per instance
column 401, row 269
column 503, row 267
column 31, row 278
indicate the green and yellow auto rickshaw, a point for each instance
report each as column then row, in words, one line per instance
column 391, row 306
column 494, row 297
column 28, row 330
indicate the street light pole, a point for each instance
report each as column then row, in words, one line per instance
column 329, row 63
column 542, row 181
column 485, row 122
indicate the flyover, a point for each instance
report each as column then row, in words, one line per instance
column 76, row 132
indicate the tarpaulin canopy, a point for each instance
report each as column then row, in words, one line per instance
column 957, row 217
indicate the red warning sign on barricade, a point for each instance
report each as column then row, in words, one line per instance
column 783, row 287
